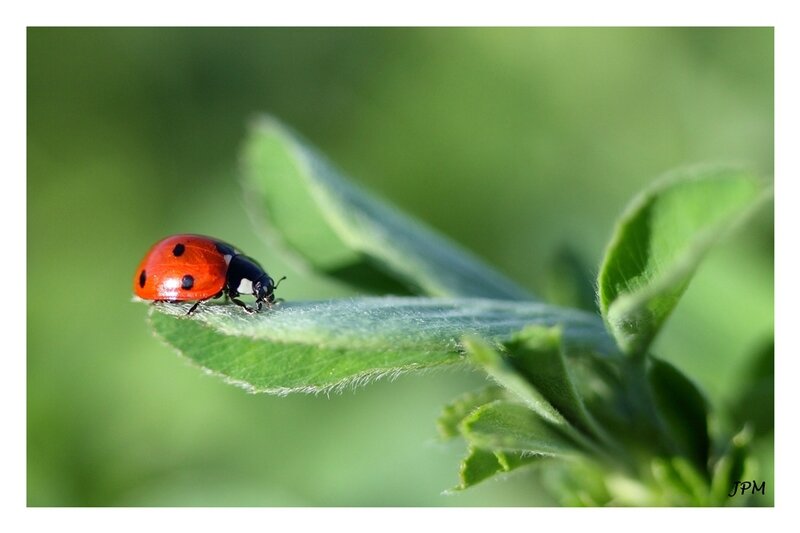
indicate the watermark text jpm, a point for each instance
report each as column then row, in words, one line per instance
column 744, row 486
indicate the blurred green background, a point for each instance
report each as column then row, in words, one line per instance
column 515, row 142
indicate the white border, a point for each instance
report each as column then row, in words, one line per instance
column 406, row 13
column 16, row 517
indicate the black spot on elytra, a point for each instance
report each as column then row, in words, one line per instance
column 178, row 250
column 187, row 282
column 142, row 278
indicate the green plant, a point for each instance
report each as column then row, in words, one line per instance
column 577, row 391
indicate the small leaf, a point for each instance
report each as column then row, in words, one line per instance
column 455, row 411
column 340, row 229
column 321, row 346
column 477, row 466
column 659, row 242
column 507, row 426
column 506, row 375
column 480, row 464
column 603, row 385
column 683, row 409
column 537, row 353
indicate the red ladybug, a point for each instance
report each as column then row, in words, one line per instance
column 183, row 268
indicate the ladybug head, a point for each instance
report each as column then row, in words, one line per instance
column 245, row 276
column 263, row 289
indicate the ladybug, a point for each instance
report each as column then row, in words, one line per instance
column 183, row 268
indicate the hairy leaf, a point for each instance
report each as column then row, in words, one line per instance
column 660, row 240
column 319, row 346
column 509, row 426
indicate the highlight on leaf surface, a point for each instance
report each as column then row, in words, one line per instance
column 342, row 231
column 659, row 241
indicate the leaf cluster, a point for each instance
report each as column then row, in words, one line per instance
column 577, row 390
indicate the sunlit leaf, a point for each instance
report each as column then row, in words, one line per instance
column 319, row 346
column 659, row 241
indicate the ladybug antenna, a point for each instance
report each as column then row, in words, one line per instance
column 278, row 282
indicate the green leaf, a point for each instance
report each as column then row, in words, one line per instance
column 569, row 282
column 485, row 356
column 321, row 346
column 580, row 483
column 342, row 231
column 679, row 482
column 480, row 464
column 683, row 409
column 508, row 426
column 660, row 240
column 755, row 398
column 504, row 373
column 477, row 466
column 695, row 479
column 732, row 466
column 537, row 354
column 454, row 412
column 512, row 460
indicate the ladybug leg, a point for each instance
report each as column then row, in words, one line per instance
column 243, row 305
column 270, row 303
column 193, row 308
column 198, row 302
